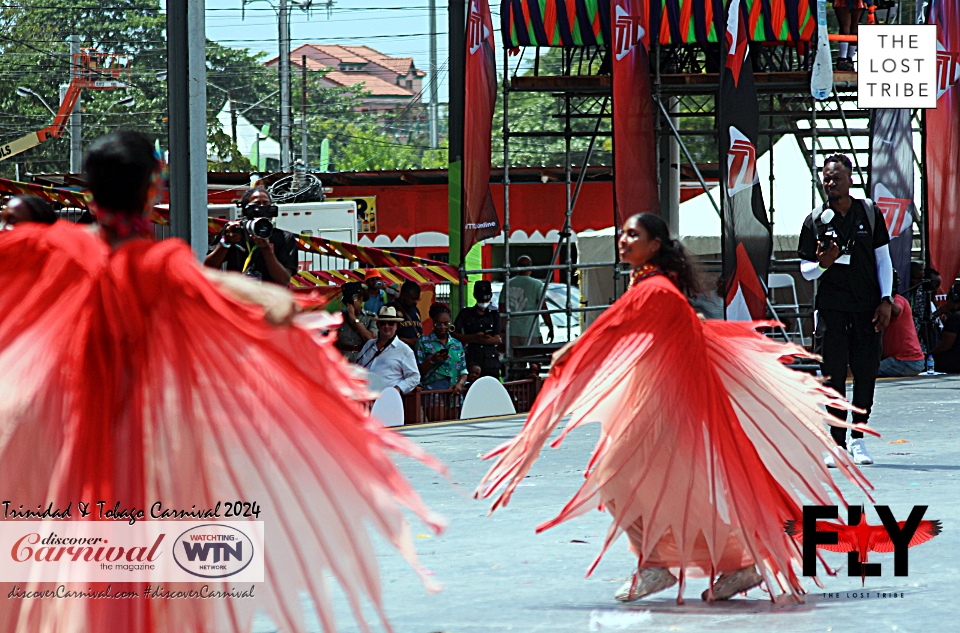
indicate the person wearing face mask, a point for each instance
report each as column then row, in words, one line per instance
column 478, row 328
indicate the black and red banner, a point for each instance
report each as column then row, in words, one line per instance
column 479, row 215
column 943, row 145
column 891, row 183
column 635, row 177
column 745, row 226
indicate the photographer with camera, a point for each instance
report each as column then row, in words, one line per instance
column 253, row 245
column 845, row 245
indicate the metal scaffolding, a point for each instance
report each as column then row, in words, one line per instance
column 685, row 83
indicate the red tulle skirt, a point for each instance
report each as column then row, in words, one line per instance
column 709, row 444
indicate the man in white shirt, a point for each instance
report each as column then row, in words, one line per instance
column 388, row 357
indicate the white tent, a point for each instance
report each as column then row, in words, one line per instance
column 247, row 135
column 700, row 222
column 793, row 197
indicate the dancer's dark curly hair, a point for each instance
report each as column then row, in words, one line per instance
column 672, row 257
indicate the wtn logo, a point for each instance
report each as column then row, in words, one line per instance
column 858, row 538
column 221, row 551
column 214, row 551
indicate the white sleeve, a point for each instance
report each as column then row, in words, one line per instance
column 811, row 270
column 884, row 270
column 411, row 375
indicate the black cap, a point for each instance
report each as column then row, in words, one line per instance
column 482, row 290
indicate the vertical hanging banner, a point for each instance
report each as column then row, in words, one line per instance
column 891, row 182
column 943, row 145
column 745, row 225
column 635, row 168
column 479, row 215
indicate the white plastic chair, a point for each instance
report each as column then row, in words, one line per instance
column 788, row 285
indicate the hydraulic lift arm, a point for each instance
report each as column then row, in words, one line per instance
column 54, row 130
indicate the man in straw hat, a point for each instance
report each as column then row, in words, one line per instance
column 388, row 357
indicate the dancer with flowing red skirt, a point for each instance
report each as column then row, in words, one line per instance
column 708, row 444
column 130, row 374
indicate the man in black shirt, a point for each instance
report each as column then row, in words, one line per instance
column 848, row 252
column 271, row 259
column 478, row 328
column 411, row 328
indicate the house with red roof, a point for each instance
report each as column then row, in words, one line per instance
column 392, row 82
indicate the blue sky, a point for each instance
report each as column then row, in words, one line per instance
column 396, row 27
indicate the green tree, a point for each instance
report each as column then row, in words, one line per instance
column 364, row 141
column 543, row 112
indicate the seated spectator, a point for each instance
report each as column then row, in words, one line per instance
column 478, row 328
column 946, row 356
column 902, row 355
column 441, row 358
column 411, row 327
column 848, row 15
column 273, row 258
column 26, row 209
column 473, row 375
column 388, row 357
column 359, row 326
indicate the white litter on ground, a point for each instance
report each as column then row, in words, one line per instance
column 617, row 620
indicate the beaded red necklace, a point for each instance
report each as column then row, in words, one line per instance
column 644, row 272
column 124, row 225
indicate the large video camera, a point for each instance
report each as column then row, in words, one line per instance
column 257, row 220
column 827, row 235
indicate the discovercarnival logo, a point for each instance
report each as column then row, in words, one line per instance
column 117, row 551
column 213, row 551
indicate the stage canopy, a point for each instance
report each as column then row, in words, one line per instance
column 568, row 23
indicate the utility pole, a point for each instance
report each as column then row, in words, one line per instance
column 303, row 111
column 285, row 106
column 434, row 110
column 76, row 129
column 187, row 103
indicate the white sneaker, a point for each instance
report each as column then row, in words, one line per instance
column 648, row 580
column 859, row 451
column 729, row 585
column 829, row 459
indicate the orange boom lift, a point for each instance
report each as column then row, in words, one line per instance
column 91, row 70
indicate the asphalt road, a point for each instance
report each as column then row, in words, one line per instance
column 498, row 575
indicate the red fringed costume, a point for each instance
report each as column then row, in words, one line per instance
column 130, row 376
column 708, row 444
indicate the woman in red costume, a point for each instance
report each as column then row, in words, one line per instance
column 708, row 441
column 132, row 375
